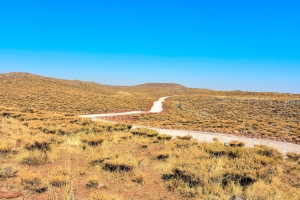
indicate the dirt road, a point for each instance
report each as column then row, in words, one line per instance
column 283, row 147
column 156, row 108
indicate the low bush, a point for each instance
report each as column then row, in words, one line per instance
column 293, row 156
column 33, row 182
column 6, row 146
column 59, row 177
column 184, row 143
column 117, row 165
column 138, row 178
column 92, row 182
column 162, row 156
column 183, row 189
column 184, row 179
column 121, row 127
column 186, row 137
column 98, row 160
column 268, row 151
column 34, row 158
column 7, row 171
column 164, row 137
column 235, row 143
column 37, row 142
column 144, row 132
column 92, row 141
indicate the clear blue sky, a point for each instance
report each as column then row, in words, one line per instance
column 225, row 45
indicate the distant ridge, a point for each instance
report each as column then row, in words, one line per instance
column 35, row 76
column 30, row 91
column 18, row 75
column 163, row 85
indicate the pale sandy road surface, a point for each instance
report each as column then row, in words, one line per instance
column 283, row 147
column 157, row 105
column 156, row 108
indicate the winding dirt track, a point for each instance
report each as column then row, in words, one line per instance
column 283, row 147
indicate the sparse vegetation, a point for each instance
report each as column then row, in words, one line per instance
column 7, row 171
column 144, row 132
column 46, row 150
column 164, row 137
column 92, row 182
column 266, row 115
column 33, row 182
column 235, row 143
column 183, row 167
column 293, row 156
column 6, row 146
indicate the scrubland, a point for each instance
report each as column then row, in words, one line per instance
column 47, row 152
column 68, row 157
column 268, row 115
column 28, row 91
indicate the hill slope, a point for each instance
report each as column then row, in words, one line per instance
column 23, row 90
column 254, row 114
column 49, row 155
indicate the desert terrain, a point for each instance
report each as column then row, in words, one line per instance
column 195, row 144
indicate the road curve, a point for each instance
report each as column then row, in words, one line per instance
column 156, row 108
column 283, row 147
column 157, row 105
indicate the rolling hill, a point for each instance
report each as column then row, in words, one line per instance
column 24, row 90
column 47, row 152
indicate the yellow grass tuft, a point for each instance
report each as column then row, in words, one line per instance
column 6, row 146
column 33, row 182
column 7, row 171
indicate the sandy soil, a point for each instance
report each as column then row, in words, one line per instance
column 111, row 114
column 157, row 105
column 283, row 147
column 156, row 108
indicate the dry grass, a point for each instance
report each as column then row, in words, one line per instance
column 6, row 146
column 59, row 177
column 235, row 143
column 144, row 132
column 269, row 115
column 180, row 168
column 92, row 182
column 162, row 155
column 272, row 115
column 186, row 137
column 117, row 165
column 33, row 182
column 104, row 196
column 50, row 152
column 31, row 92
column 164, row 137
column 38, row 142
column 7, row 171
column 293, row 156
